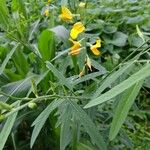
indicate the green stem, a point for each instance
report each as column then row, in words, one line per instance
column 38, row 99
column 13, row 141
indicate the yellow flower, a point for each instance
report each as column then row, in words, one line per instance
column 76, row 30
column 75, row 49
column 66, row 14
column 82, row 5
column 94, row 48
column 46, row 13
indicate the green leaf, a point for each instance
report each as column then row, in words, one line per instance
column 66, row 120
column 61, row 32
column 33, row 29
column 9, row 55
column 18, row 5
column 18, row 88
column 88, row 125
column 4, row 15
column 41, row 119
column 113, row 77
column 46, row 45
column 7, row 129
column 136, row 77
column 119, row 39
column 59, row 75
column 87, row 77
column 109, row 29
column 122, row 109
column 38, row 79
column 82, row 146
column 19, row 61
column 98, row 66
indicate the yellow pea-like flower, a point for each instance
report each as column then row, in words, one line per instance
column 66, row 14
column 75, row 49
column 46, row 13
column 94, row 48
column 76, row 30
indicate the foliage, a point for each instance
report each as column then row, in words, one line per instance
column 78, row 74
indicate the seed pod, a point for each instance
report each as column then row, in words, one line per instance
column 32, row 105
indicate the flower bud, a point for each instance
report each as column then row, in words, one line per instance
column 32, row 105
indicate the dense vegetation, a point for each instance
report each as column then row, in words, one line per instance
column 75, row 74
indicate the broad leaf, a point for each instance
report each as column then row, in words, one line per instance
column 61, row 32
column 46, row 45
column 119, row 39
column 19, row 61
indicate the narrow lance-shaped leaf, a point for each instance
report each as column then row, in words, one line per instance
column 7, row 129
column 113, row 77
column 136, row 77
column 18, row 88
column 41, row 119
column 59, row 75
column 123, row 108
column 9, row 55
column 89, row 126
column 66, row 120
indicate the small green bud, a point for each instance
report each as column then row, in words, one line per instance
column 2, row 117
column 32, row 105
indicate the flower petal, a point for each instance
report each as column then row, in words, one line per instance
column 95, row 50
column 66, row 14
column 75, row 49
column 98, row 43
column 76, row 30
